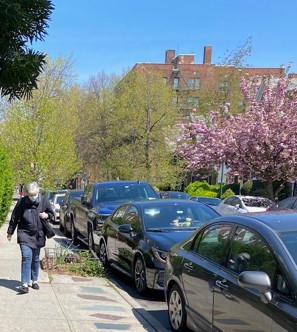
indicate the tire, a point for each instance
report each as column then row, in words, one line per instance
column 103, row 254
column 140, row 276
column 90, row 240
column 176, row 310
column 74, row 238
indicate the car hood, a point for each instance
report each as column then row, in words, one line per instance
column 107, row 208
column 166, row 239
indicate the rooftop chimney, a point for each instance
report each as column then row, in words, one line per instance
column 169, row 56
column 207, row 55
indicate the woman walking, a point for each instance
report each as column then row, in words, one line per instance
column 26, row 217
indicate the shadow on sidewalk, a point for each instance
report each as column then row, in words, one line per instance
column 10, row 284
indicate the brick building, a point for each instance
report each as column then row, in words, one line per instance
column 188, row 79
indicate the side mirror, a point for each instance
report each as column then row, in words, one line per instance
column 258, row 280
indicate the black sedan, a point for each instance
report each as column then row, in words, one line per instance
column 238, row 273
column 137, row 236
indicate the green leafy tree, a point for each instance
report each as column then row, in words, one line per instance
column 6, row 185
column 128, row 131
column 22, row 22
column 40, row 133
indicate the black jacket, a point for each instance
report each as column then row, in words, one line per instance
column 25, row 216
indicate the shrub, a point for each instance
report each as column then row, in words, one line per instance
column 247, row 187
column 227, row 193
column 233, row 186
column 202, row 188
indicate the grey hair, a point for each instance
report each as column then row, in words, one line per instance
column 32, row 187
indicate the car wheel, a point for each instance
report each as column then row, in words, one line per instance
column 103, row 254
column 139, row 276
column 176, row 310
column 61, row 227
column 74, row 234
column 90, row 240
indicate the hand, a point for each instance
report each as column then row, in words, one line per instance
column 43, row 215
column 9, row 237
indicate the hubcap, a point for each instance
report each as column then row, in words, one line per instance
column 139, row 275
column 103, row 254
column 175, row 309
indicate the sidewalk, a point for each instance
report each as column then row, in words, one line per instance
column 67, row 303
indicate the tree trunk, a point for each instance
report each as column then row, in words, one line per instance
column 269, row 189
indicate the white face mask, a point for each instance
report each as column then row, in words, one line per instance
column 33, row 198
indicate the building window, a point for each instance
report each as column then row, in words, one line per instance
column 193, row 83
column 193, row 101
column 175, row 84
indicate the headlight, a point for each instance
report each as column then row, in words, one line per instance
column 159, row 254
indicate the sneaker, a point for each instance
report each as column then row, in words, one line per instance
column 24, row 289
column 35, row 286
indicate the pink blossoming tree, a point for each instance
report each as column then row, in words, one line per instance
column 260, row 142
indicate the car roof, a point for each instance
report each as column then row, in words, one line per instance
column 160, row 201
column 278, row 220
column 119, row 182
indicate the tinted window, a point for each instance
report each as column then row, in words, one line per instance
column 290, row 241
column 132, row 217
column 129, row 192
column 249, row 252
column 212, row 243
column 118, row 215
column 287, row 203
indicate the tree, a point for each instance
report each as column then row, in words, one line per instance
column 22, row 22
column 40, row 133
column 222, row 86
column 129, row 129
column 6, row 185
column 260, row 142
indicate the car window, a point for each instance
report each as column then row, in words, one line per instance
column 118, row 215
column 212, row 243
column 132, row 217
column 249, row 252
column 229, row 201
column 286, row 203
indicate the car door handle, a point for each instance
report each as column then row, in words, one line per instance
column 189, row 266
column 222, row 284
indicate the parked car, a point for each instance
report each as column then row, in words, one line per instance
column 237, row 273
column 138, row 235
column 211, row 201
column 174, row 194
column 66, row 213
column 243, row 204
column 98, row 201
column 51, row 194
column 287, row 203
column 56, row 203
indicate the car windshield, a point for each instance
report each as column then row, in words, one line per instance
column 131, row 192
column 257, row 201
column 290, row 241
column 177, row 216
column 59, row 199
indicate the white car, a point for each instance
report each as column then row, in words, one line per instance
column 243, row 204
column 56, row 202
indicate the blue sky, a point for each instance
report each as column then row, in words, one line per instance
column 112, row 36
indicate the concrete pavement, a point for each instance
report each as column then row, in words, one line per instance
column 63, row 303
